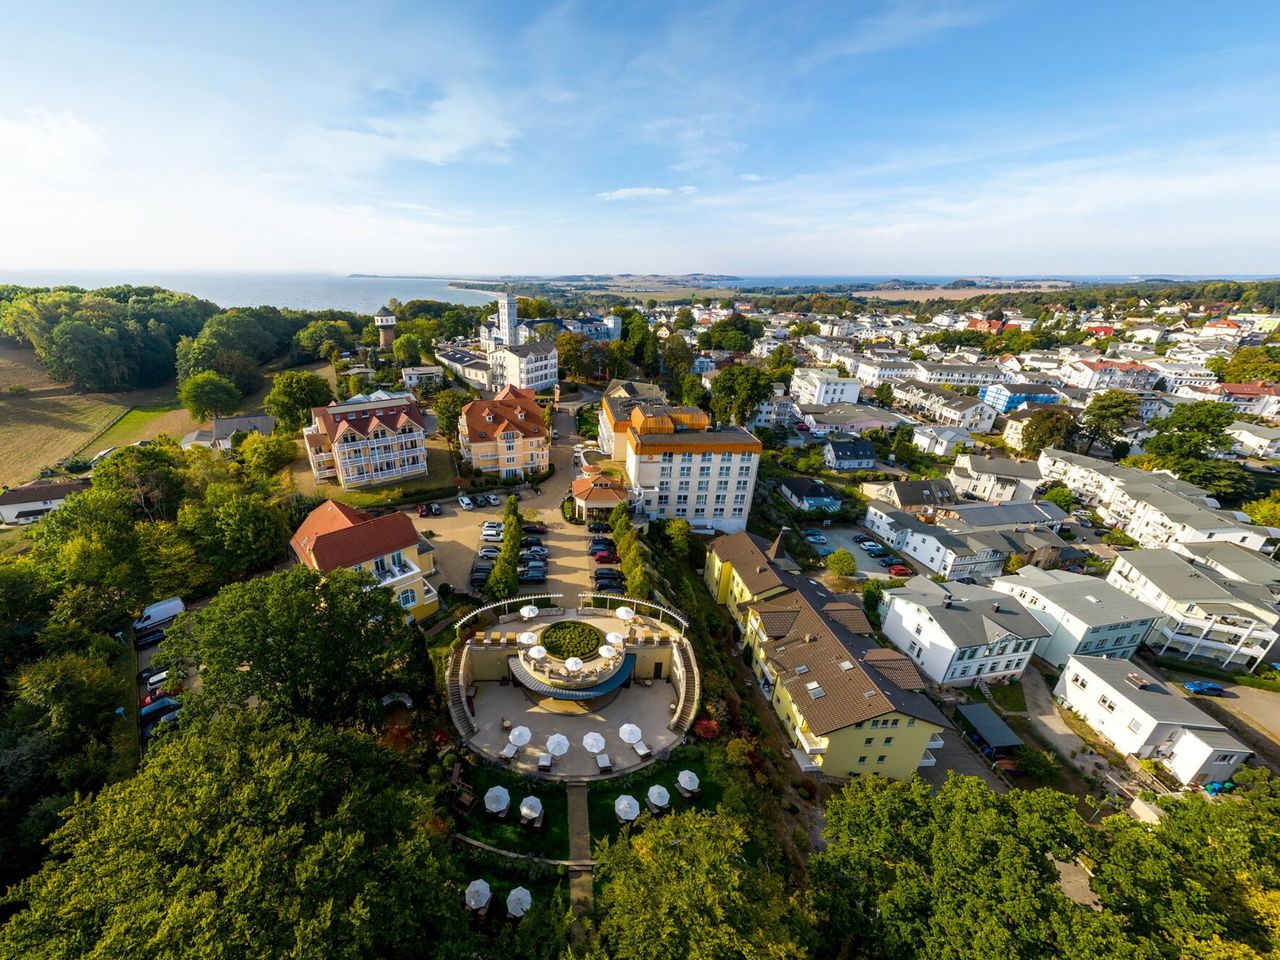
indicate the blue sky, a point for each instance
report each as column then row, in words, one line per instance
column 911, row 137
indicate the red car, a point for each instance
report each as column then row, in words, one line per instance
column 155, row 695
column 899, row 570
column 605, row 556
column 802, row 426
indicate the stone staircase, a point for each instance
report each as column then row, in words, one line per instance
column 692, row 689
column 984, row 690
column 457, row 696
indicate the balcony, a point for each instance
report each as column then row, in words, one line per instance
column 393, row 574
column 927, row 759
column 809, row 743
column 935, row 742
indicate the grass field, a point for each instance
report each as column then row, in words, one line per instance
column 153, row 412
column 41, row 428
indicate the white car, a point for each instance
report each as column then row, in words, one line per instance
column 816, row 538
column 465, row 503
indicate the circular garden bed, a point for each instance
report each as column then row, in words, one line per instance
column 571, row 638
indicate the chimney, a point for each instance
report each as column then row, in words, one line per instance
column 947, row 602
column 995, row 607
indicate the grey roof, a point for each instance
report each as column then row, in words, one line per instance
column 952, row 398
column 971, row 616
column 852, row 449
column 533, row 348
column 914, row 493
column 224, row 427
column 1218, row 740
column 383, row 312
column 803, row 488
column 990, row 727
column 1235, row 561
column 980, row 514
column 1187, row 582
column 1004, row 467
column 1154, row 699
column 462, row 358
column 1092, row 601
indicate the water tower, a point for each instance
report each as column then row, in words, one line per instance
column 385, row 321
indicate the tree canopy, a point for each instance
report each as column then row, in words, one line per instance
column 293, row 394
column 1105, row 416
column 208, row 394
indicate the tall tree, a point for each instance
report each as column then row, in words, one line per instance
column 1105, row 417
column 320, row 647
column 149, row 477
column 447, row 406
column 208, row 394
column 1046, row 428
column 1192, row 431
column 293, row 394
column 407, row 350
column 255, row 839
column 677, row 356
column 680, row 887
column 569, row 348
column 737, row 392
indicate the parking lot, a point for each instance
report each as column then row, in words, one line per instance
column 838, row 537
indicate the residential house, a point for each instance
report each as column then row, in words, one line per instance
column 952, row 554
column 912, row 496
column 743, row 568
column 1084, row 615
column 28, row 503
column 823, row 386
column 853, row 418
column 505, row 436
column 335, row 536
column 1143, row 718
column 368, row 439
column 1016, row 422
column 874, row 370
column 849, row 455
column 1108, row 375
column 425, row 378
column 1259, row 397
column 219, row 436
column 680, row 465
column 1181, row 373
column 944, row 406
column 939, row 441
column 958, row 634
column 958, row 374
column 1254, row 440
column 473, row 368
column 806, row 494
column 776, row 410
column 1007, row 397
column 532, row 366
column 1234, row 562
column 1207, row 614
column 994, row 478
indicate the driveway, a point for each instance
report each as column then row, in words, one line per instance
column 955, row 755
column 1252, row 714
column 838, row 537
column 1043, row 714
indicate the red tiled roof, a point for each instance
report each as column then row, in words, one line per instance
column 363, row 424
column 43, row 490
column 335, row 536
column 505, row 409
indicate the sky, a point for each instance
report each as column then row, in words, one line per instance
column 903, row 137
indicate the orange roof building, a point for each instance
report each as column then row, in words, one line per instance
column 506, row 435
column 369, row 439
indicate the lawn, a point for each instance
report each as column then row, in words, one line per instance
column 13, row 541
column 601, row 795
column 551, row 841
column 1009, row 697
column 39, row 429
column 439, row 483
column 153, row 412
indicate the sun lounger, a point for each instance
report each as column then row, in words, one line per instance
column 642, row 749
column 603, row 763
column 544, row 761
column 509, row 751
column 465, row 801
column 688, row 794
column 656, row 810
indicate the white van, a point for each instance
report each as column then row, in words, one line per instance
column 159, row 614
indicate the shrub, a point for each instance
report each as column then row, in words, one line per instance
column 19, row 390
column 706, row 728
column 571, row 638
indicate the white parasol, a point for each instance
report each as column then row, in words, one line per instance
column 625, row 613
column 530, row 807
column 518, row 901
column 537, row 653
column 477, row 894
column 528, row 638
column 529, row 611
column 557, row 744
column 520, row 736
column 607, row 651
column 658, row 795
column 615, row 638
column 626, row 807
column 593, row 742
column 497, row 799
column 688, row 779
column 629, row 733
column 573, row 664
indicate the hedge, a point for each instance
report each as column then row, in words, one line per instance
column 571, row 638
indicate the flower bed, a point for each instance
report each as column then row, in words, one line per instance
column 571, row 638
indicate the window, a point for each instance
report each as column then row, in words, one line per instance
column 1079, row 681
column 888, row 741
column 867, row 742
column 911, row 721
column 1224, row 758
column 1107, row 703
column 1135, row 724
column 667, row 458
column 407, row 598
column 862, row 760
column 893, row 722
column 880, row 759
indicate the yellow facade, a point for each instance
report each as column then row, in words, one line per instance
column 424, row 600
column 729, row 589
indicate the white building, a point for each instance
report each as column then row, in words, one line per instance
column 529, row 366
column 1254, row 440
column 939, row 441
column 425, row 377
column 1144, row 718
column 471, row 367
column 1108, row 375
column 959, row 374
column 994, row 478
column 823, row 386
column 944, row 406
column 1084, row 615
column 27, row 504
column 1206, row 613
column 950, row 553
column 958, row 634
column 1181, row 373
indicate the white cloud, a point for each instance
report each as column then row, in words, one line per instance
column 751, row 178
column 466, row 122
column 634, row 193
column 905, row 24
column 687, row 189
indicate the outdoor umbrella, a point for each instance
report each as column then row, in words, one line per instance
column 518, row 901
column 626, row 807
column 538, row 652
column 557, row 744
column 607, row 651
column 497, row 799
column 573, row 664
column 625, row 613
column 529, row 611
column 658, row 795
column 615, row 638
column 688, row 779
column 530, row 807
column 520, row 736
column 528, row 638
column 593, row 742
column 629, row 733
column 477, row 894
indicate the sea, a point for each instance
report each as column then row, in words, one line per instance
column 365, row 294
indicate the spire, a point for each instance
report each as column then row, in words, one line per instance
column 776, row 549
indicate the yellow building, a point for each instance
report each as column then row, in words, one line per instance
column 506, row 435
column 849, row 707
column 335, row 536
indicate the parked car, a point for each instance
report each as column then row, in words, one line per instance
column 157, row 680
column 816, row 538
column 802, row 426
column 890, row 561
column 606, row 556
column 491, row 536
column 530, row 541
column 494, row 500
column 900, row 570
column 432, row 509
column 489, row 552
column 535, row 553
column 534, row 528
column 531, row 576
column 603, row 542
column 607, row 575
column 968, row 581
column 152, row 729
column 157, row 709
column 491, row 525
column 159, row 614
column 597, row 528
column 876, row 552
column 865, row 542
column 465, row 503
column 1205, row 687
column 148, row 639
column 611, row 586
column 810, row 532
column 146, row 674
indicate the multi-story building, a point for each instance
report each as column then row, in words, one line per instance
column 505, row 435
column 1254, row 440
column 957, row 633
column 387, row 548
column 1083, row 615
column 617, row 400
column 471, row 367
column 1181, row 373
column 680, row 465
column 29, row 502
column 1108, row 375
column 528, row 366
column 371, row 438
column 823, row 386
column 849, row 707
column 944, row 406
column 1258, row 397
column 1207, row 614
column 994, row 478
column 874, row 370
column 958, row 374
column 1007, row 397
column 426, row 377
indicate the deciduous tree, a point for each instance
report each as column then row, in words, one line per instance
column 447, row 406
column 293, row 394
column 1046, row 428
column 209, row 394
column 1105, row 416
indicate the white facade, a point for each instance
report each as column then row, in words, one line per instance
column 940, row 441
column 991, row 478
column 944, row 406
column 1108, row 375
column 1252, row 440
column 1083, row 615
column 529, row 367
column 1145, row 719
column 705, row 487
column 819, row 386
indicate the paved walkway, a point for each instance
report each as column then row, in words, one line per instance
column 581, row 896
column 1043, row 714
